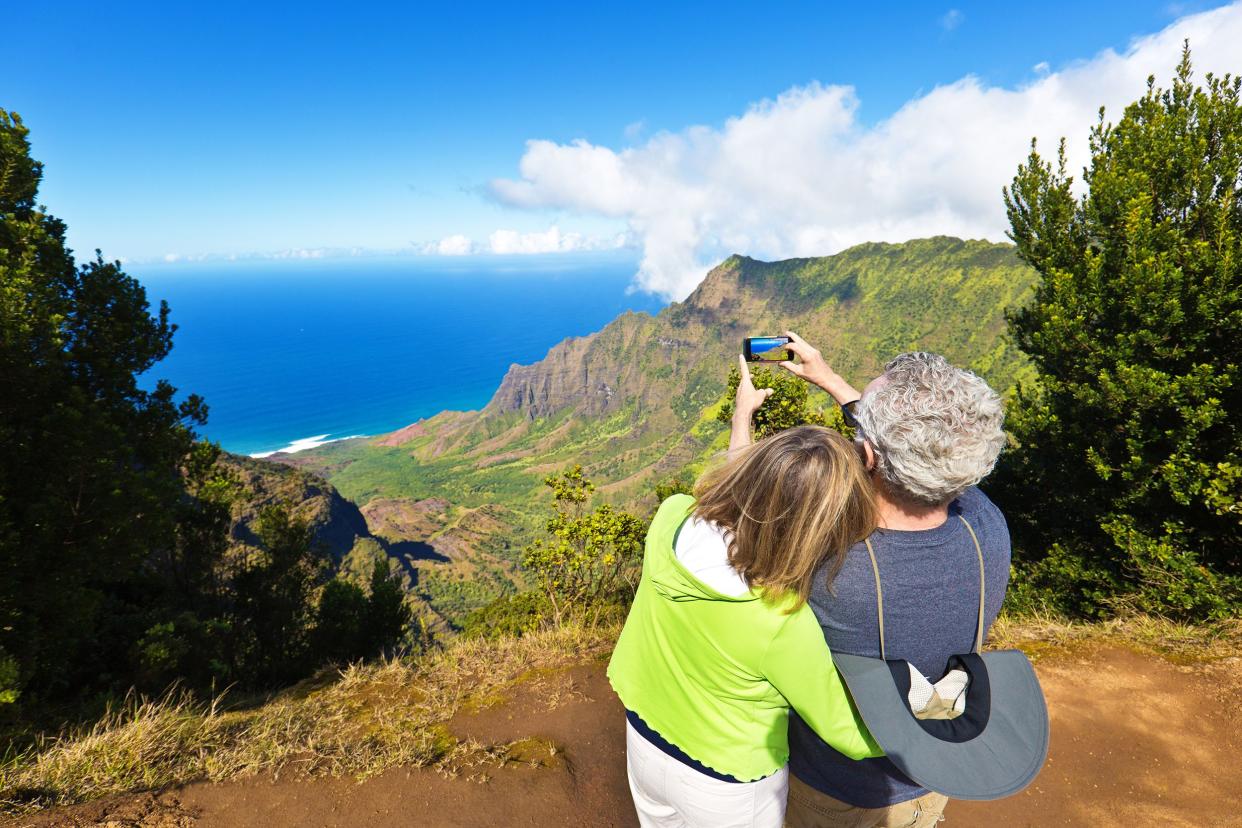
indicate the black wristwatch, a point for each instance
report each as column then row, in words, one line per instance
column 847, row 412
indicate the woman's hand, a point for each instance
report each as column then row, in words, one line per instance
column 745, row 404
column 748, row 398
column 816, row 370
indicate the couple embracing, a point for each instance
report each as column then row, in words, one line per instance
column 736, row 715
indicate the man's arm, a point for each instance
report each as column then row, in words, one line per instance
column 816, row 370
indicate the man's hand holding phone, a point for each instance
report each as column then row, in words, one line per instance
column 815, row 369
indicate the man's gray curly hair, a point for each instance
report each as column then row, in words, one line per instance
column 936, row 429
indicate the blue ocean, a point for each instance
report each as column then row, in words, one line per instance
column 292, row 353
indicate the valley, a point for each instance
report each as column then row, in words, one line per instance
column 635, row 403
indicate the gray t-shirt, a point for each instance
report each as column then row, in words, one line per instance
column 930, row 580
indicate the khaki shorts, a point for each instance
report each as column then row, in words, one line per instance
column 808, row 808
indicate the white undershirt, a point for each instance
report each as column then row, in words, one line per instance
column 703, row 548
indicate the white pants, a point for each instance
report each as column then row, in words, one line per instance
column 670, row 794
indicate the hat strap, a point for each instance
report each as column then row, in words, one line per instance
column 879, row 596
column 979, row 552
column 879, row 592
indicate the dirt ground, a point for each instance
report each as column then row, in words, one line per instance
column 1136, row 740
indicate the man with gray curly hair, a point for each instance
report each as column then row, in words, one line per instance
column 935, row 430
column 928, row 433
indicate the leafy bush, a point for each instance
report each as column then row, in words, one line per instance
column 8, row 679
column 788, row 406
column 680, row 483
column 509, row 615
column 585, row 557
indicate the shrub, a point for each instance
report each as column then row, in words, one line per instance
column 787, row 407
column 508, row 615
column 585, row 556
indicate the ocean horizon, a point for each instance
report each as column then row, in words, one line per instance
column 292, row 354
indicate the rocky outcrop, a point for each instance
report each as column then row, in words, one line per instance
column 337, row 523
column 614, row 367
column 584, row 373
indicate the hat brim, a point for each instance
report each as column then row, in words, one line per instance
column 1000, row 761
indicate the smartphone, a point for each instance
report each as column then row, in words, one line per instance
column 766, row 349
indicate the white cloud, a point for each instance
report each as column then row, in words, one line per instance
column 1041, row 68
column 455, row 245
column 952, row 19
column 551, row 240
column 297, row 253
column 800, row 176
column 288, row 253
column 515, row 242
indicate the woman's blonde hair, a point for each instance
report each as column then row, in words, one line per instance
column 791, row 502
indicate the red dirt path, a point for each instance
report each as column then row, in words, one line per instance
column 1136, row 740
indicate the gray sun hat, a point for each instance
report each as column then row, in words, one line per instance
column 988, row 739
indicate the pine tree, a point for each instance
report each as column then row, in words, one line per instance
column 388, row 616
column 273, row 600
column 1125, row 483
column 90, row 468
column 340, row 635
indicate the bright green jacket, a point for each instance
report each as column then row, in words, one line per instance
column 716, row 675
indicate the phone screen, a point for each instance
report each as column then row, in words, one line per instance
column 766, row 349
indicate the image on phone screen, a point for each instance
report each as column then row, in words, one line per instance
column 766, row 349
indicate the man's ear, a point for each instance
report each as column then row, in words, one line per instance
column 868, row 455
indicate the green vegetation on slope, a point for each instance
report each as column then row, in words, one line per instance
column 637, row 402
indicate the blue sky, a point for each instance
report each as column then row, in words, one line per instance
column 234, row 128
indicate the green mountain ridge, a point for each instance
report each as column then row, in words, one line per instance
column 635, row 402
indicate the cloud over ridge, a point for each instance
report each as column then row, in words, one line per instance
column 799, row 175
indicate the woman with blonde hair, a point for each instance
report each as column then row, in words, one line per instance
column 720, row 643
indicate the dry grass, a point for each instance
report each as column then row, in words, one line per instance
column 1041, row 636
column 358, row 722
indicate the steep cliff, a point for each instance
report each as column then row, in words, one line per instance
column 577, row 372
column 336, row 522
column 631, row 359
